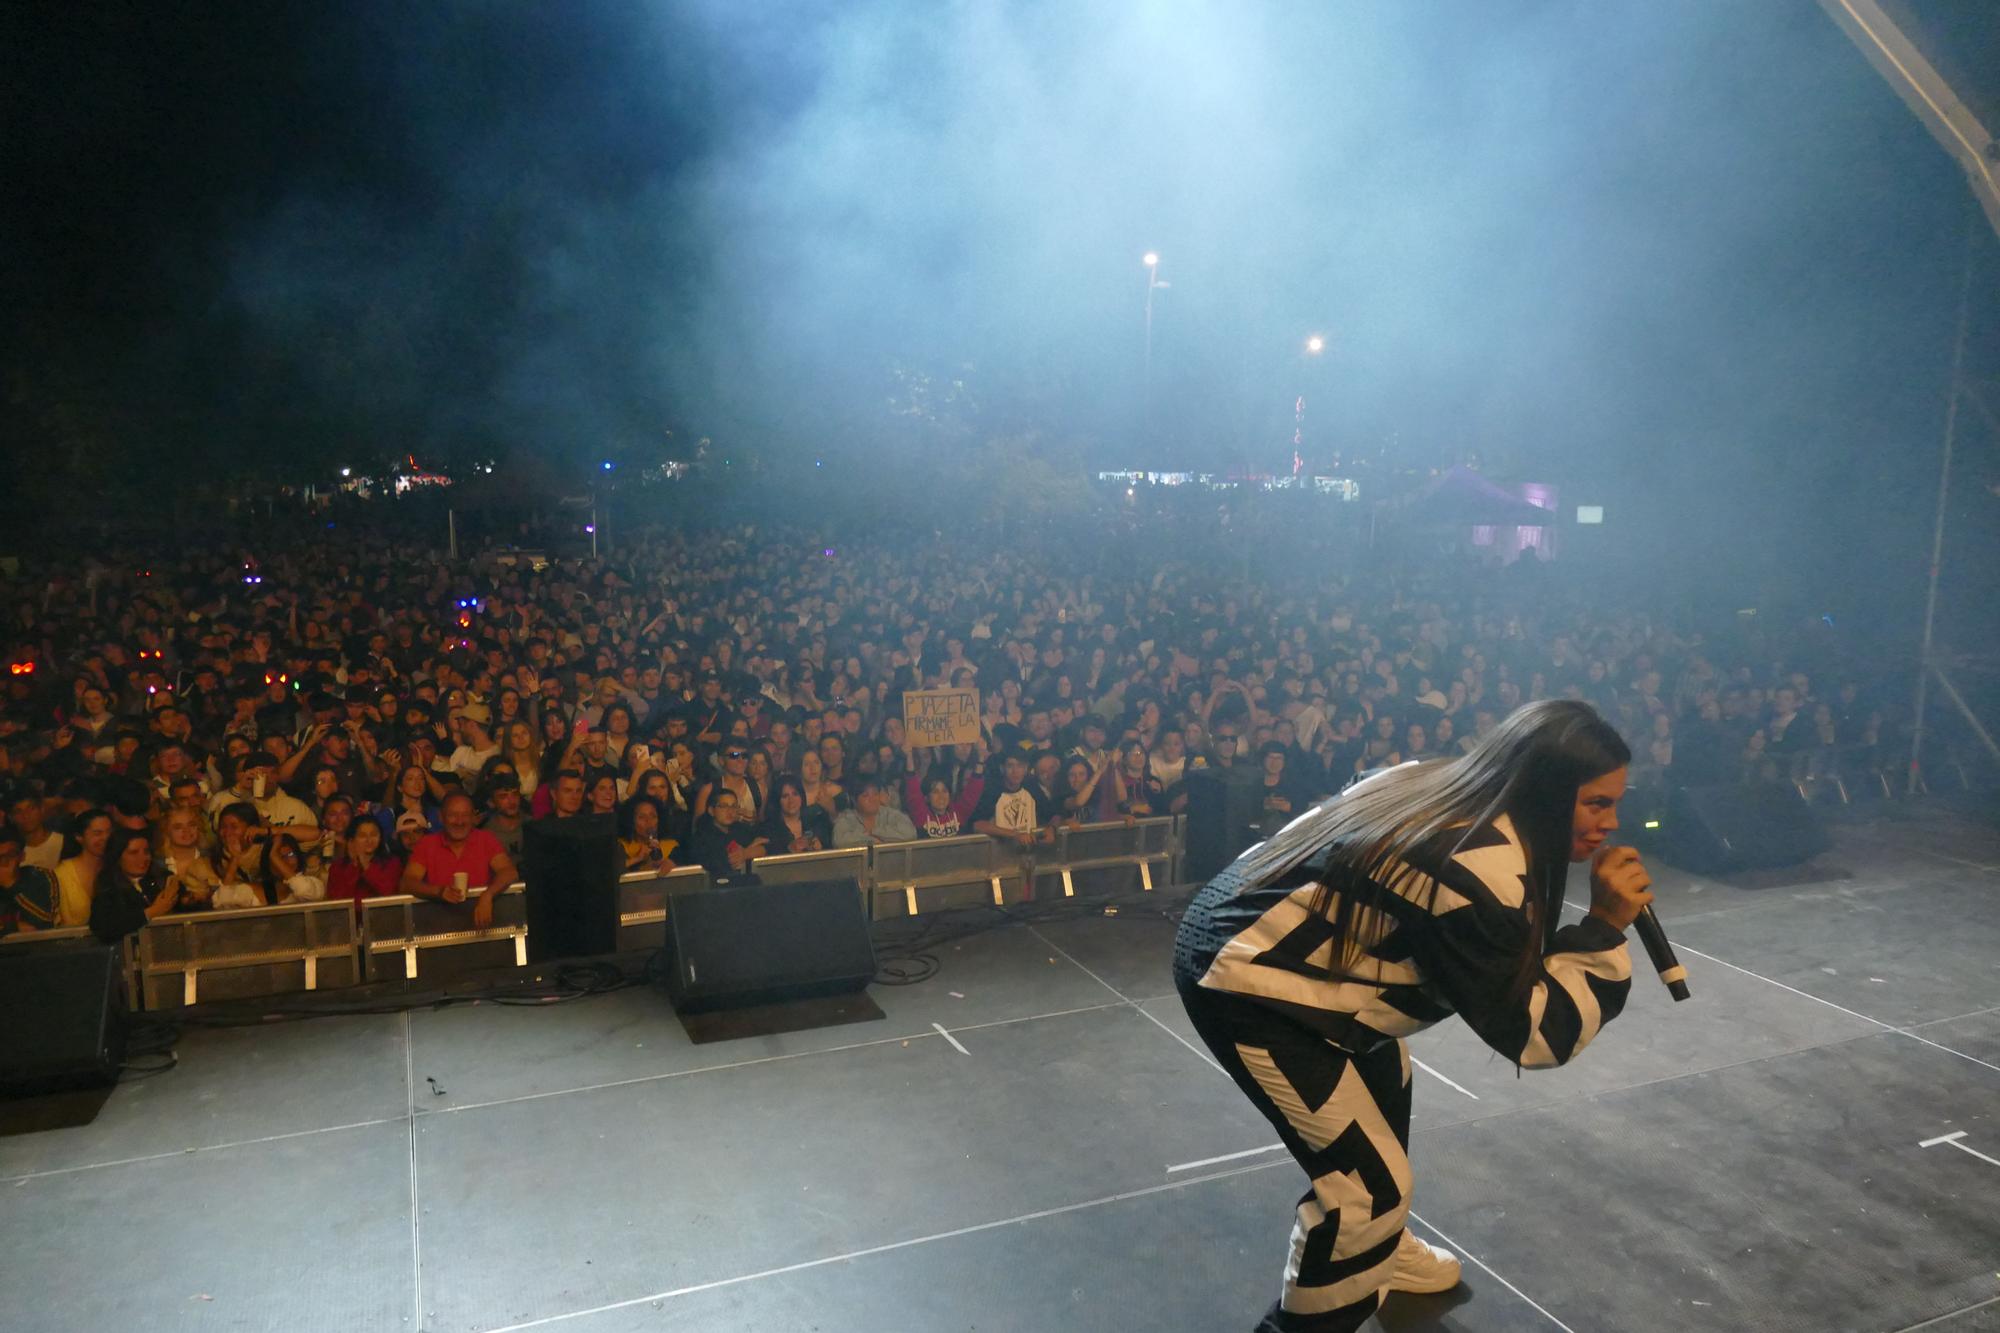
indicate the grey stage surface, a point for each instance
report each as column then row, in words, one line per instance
column 1060, row 1156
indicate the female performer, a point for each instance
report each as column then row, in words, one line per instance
column 1428, row 890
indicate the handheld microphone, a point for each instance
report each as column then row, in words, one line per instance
column 1654, row 937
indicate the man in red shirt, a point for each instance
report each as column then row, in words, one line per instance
column 461, row 848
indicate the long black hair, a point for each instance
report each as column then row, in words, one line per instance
column 1529, row 768
column 269, row 878
column 110, row 874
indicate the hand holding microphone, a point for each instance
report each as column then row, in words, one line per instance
column 1621, row 896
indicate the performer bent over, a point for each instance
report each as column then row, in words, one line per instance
column 1428, row 890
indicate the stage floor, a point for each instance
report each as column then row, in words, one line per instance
column 1032, row 1140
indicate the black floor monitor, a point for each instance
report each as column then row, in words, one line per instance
column 571, row 867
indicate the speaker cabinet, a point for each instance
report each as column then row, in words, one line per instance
column 65, row 1024
column 1220, row 810
column 1715, row 830
column 571, row 868
column 757, row 943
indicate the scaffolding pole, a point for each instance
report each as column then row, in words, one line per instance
column 1937, row 527
column 1971, row 718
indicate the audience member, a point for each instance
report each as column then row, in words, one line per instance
column 458, row 858
column 874, row 818
column 364, row 685
column 796, row 824
column 28, row 900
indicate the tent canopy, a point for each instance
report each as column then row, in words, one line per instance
column 1461, row 498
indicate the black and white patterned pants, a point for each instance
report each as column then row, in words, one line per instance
column 1346, row 1119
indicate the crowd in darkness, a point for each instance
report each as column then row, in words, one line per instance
column 346, row 718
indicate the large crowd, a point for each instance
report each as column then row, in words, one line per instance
column 346, row 717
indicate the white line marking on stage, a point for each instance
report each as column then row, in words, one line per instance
column 1205, row 1057
column 953, row 1040
column 1682, row 948
column 1953, row 1140
column 1442, row 1079
column 1034, row 1018
column 760, row 1060
column 1955, row 860
column 421, row 1113
column 1886, row 1027
column 953, row 1234
column 1953, row 1018
column 206, row 1147
column 1943, row 1318
column 1210, row 1062
column 1983, row 1064
column 416, row 1221
column 1455, row 1246
column 1199, row 1053
column 1227, row 1157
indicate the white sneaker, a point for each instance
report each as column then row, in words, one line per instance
column 1421, row 1267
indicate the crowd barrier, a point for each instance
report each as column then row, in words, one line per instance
column 246, row 952
column 397, row 930
column 810, row 867
column 1140, row 846
column 255, row 952
column 643, row 896
column 950, row 872
column 32, row 937
column 1841, row 768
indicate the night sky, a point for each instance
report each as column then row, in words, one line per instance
column 1696, row 251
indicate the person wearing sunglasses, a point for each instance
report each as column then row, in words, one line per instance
column 734, row 778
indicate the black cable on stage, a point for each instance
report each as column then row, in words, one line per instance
column 132, row 1073
column 149, row 1034
column 906, row 969
column 150, row 1040
column 576, row 981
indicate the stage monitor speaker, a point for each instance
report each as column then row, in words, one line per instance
column 1220, row 810
column 571, row 868
column 1715, row 830
column 65, row 1017
column 756, row 943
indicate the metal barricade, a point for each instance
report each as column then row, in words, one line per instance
column 937, row 866
column 1141, row 844
column 398, row 928
column 811, row 867
column 1864, row 765
column 245, row 953
column 33, row 937
column 643, row 896
column 1811, row 770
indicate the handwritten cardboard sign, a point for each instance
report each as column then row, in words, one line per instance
column 941, row 717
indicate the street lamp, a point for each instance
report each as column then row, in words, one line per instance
column 1315, row 344
column 1151, row 259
